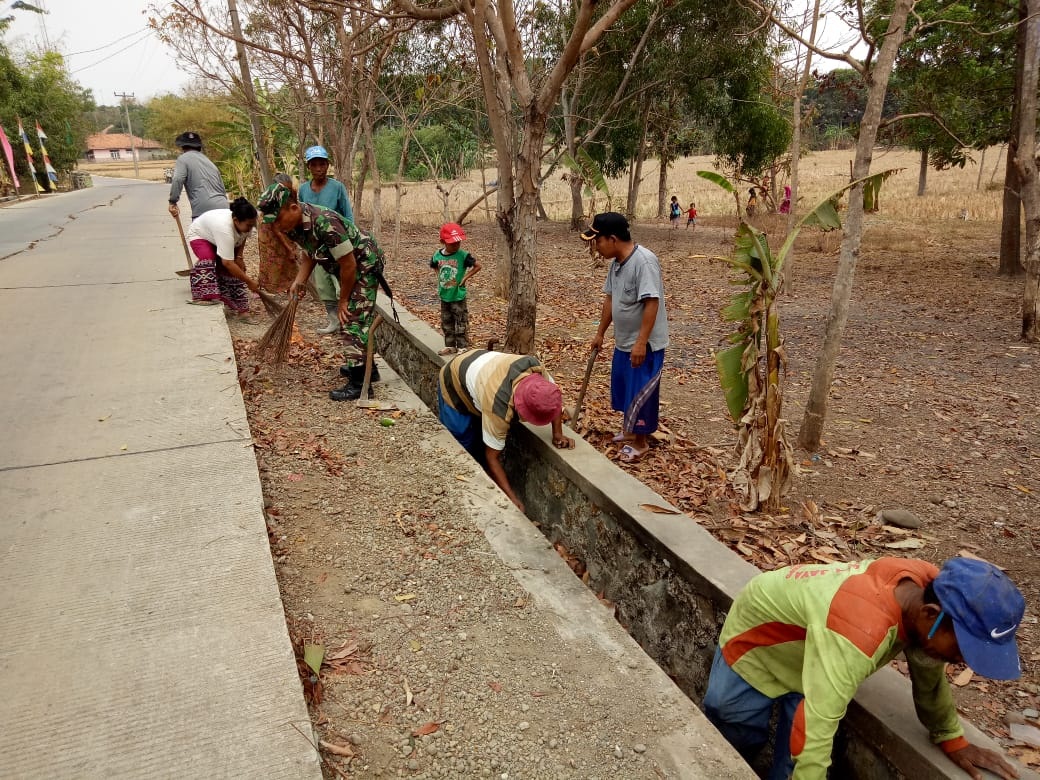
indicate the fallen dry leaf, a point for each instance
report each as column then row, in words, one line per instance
column 495, row 686
column 660, row 510
column 338, row 750
column 426, row 728
column 964, row 677
column 344, row 651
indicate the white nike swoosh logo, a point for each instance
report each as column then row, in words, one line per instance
column 998, row 634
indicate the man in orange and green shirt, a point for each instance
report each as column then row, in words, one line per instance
column 804, row 637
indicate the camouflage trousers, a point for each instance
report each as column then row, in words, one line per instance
column 362, row 308
column 455, row 323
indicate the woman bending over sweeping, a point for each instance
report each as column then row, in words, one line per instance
column 217, row 238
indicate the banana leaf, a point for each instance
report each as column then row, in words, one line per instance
column 718, row 179
column 733, row 379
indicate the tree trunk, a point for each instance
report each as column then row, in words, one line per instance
column 796, row 141
column 636, row 177
column 1027, row 172
column 922, row 174
column 377, row 185
column 577, row 204
column 982, row 164
column 574, row 178
column 1011, row 216
column 399, row 191
column 823, row 373
column 259, row 140
column 662, row 187
column 523, row 249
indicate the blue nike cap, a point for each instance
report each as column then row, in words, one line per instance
column 986, row 609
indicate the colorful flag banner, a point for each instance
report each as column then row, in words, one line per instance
column 9, row 156
column 29, row 156
column 51, row 173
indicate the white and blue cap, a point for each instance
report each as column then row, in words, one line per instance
column 316, row 153
column 986, row 609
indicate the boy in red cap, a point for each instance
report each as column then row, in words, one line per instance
column 455, row 267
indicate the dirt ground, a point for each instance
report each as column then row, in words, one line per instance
column 933, row 410
column 437, row 662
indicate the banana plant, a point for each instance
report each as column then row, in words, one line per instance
column 751, row 370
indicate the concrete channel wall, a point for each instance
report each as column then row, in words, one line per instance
column 671, row 580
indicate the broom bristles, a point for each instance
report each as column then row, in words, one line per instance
column 274, row 308
column 277, row 337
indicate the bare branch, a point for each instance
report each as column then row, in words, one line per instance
column 918, row 115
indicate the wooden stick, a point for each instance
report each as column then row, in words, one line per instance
column 584, row 386
column 184, row 243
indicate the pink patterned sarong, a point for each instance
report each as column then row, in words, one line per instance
column 210, row 282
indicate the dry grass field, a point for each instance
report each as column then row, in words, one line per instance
column 949, row 192
column 148, row 170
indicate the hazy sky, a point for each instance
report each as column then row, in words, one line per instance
column 109, row 48
column 107, row 45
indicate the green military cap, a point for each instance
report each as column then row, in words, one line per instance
column 272, row 200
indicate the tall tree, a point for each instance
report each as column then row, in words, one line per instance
column 1025, row 162
column 522, row 84
column 1011, row 214
column 883, row 34
column 954, row 83
column 328, row 54
column 876, row 75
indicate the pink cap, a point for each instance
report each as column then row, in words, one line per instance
column 452, row 233
column 537, row 400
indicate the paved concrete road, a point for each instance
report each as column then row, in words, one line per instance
column 141, row 633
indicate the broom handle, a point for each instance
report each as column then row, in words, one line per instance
column 184, row 243
column 584, row 387
column 368, row 356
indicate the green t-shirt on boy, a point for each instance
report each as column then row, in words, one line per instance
column 450, row 270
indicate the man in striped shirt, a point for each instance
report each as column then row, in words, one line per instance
column 481, row 393
column 804, row 637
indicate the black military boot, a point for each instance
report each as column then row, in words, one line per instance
column 351, row 391
column 345, row 371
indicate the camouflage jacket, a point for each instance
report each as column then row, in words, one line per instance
column 326, row 236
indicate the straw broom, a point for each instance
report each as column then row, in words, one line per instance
column 278, row 337
column 274, row 308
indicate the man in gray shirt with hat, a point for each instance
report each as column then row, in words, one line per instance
column 198, row 176
column 634, row 303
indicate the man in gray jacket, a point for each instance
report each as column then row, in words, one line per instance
column 198, row 176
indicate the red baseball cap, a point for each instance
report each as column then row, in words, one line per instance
column 452, row 233
column 537, row 400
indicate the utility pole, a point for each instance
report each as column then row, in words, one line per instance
column 133, row 149
column 247, row 88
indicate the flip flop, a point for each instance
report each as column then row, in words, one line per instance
column 620, row 437
column 630, row 454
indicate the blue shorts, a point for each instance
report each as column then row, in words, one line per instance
column 636, row 391
column 463, row 426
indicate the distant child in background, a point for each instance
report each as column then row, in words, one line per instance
column 674, row 212
column 691, row 216
column 455, row 267
column 785, row 204
column 752, row 202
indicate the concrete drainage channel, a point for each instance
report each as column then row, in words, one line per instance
column 671, row 580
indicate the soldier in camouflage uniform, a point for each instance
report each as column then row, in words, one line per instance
column 350, row 255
